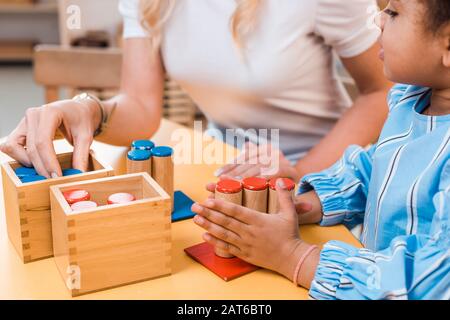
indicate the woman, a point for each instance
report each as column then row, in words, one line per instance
column 270, row 67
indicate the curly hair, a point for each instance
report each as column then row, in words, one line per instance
column 438, row 14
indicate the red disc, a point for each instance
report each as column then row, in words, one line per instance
column 120, row 198
column 83, row 205
column 229, row 186
column 74, row 196
column 255, row 184
column 290, row 185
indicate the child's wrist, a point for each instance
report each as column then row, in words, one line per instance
column 292, row 255
column 301, row 263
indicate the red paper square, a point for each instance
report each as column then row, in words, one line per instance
column 227, row 269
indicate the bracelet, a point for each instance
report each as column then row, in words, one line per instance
column 301, row 261
column 103, row 115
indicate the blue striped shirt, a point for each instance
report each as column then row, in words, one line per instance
column 400, row 190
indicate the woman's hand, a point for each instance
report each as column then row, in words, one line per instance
column 263, row 161
column 31, row 142
column 269, row 241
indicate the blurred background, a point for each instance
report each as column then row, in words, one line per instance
column 31, row 76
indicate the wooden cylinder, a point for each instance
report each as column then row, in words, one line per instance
column 139, row 161
column 163, row 169
column 255, row 194
column 273, row 205
column 230, row 191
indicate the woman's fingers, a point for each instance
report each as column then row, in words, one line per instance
column 15, row 145
column 81, row 149
column 225, row 169
column 17, row 152
column 249, row 152
column 254, row 171
column 218, row 231
column 32, row 118
column 49, row 121
column 241, row 171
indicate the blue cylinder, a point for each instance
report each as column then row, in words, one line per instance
column 143, row 145
column 162, row 152
column 139, row 155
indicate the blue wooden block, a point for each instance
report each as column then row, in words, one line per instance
column 182, row 207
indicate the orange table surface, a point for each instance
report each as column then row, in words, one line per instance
column 41, row 280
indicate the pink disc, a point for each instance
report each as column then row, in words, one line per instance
column 83, row 205
column 121, row 198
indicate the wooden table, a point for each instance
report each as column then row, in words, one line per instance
column 41, row 280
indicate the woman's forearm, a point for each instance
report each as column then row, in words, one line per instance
column 138, row 108
column 130, row 120
column 360, row 125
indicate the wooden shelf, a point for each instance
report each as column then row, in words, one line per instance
column 16, row 51
column 28, row 8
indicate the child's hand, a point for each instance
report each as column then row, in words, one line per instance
column 269, row 241
column 259, row 161
column 302, row 207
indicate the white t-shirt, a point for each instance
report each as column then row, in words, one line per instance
column 287, row 80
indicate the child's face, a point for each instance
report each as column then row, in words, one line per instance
column 412, row 53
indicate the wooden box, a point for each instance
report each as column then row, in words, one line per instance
column 112, row 245
column 27, row 206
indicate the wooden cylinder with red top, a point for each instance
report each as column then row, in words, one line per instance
column 77, row 195
column 83, row 205
column 121, row 198
column 230, row 191
column 255, row 194
column 273, row 206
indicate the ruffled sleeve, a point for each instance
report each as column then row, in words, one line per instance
column 412, row 267
column 343, row 188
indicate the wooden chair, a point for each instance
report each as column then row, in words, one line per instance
column 98, row 71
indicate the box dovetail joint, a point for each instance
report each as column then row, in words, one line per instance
column 112, row 245
column 27, row 206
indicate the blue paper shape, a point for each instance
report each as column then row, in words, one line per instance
column 182, row 207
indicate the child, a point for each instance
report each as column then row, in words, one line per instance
column 399, row 189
